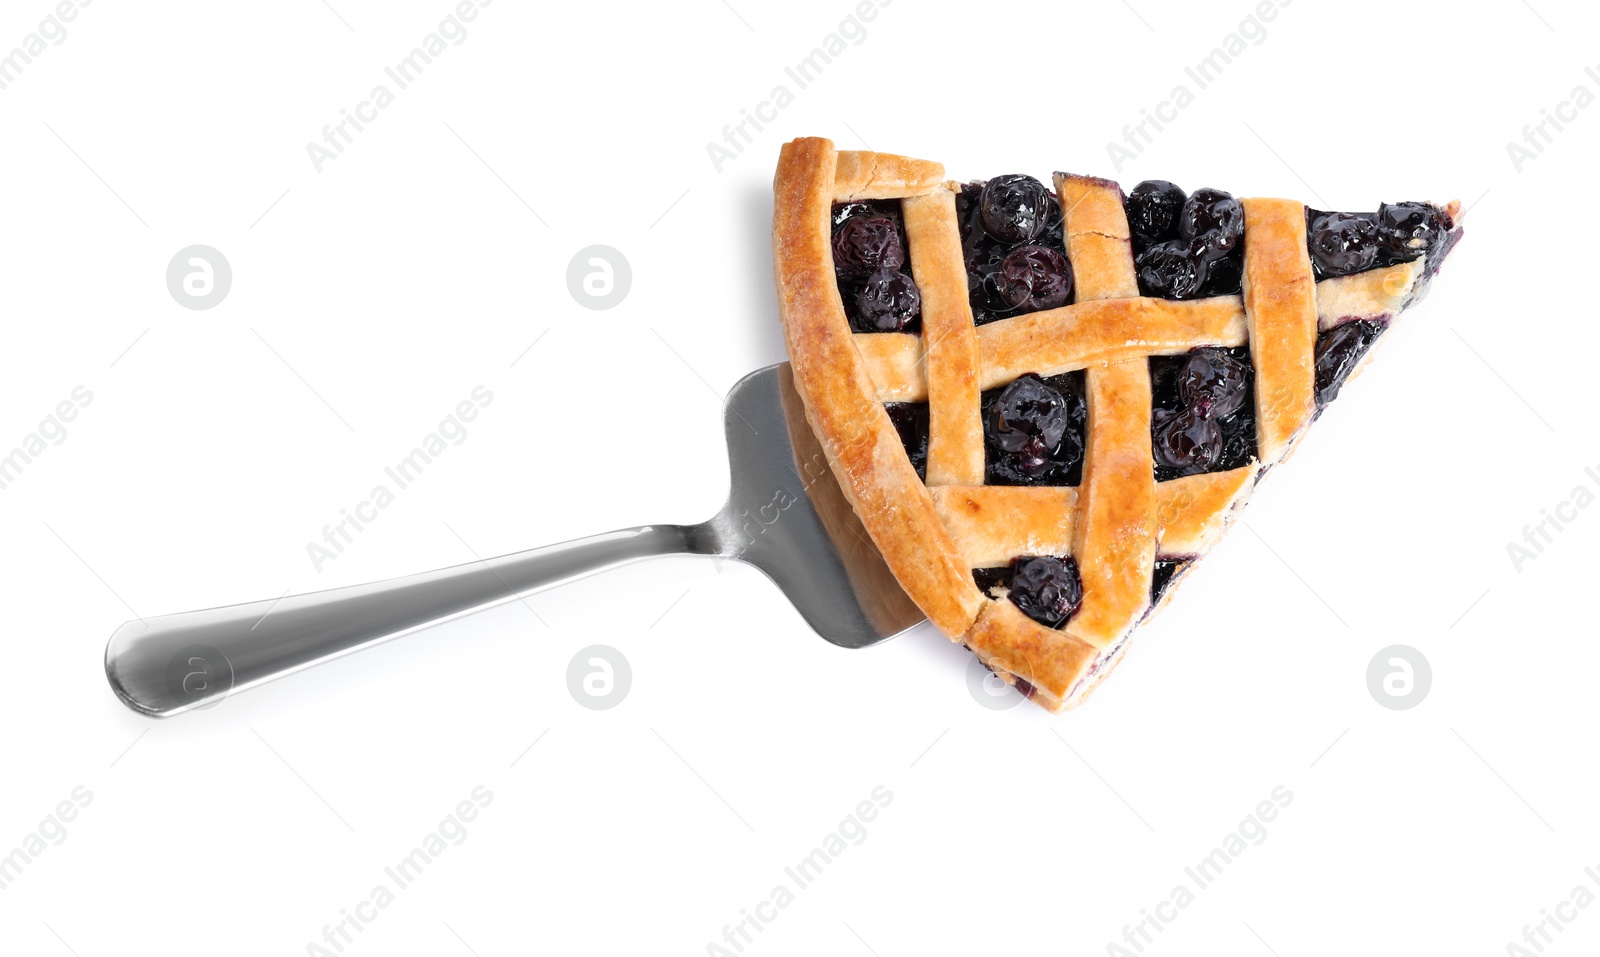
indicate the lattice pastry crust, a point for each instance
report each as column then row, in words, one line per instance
column 1119, row 519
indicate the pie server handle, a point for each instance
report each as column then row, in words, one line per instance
column 162, row 666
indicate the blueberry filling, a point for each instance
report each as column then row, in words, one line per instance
column 1165, row 571
column 1339, row 350
column 1216, row 379
column 1409, row 229
column 889, row 301
column 1153, row 209
column 1212, row 220
column 1015, row 208
column 1186, row 247
column 911, row 421
column 1168, row 271
column 1342, row 244
column 1031, row 278
column 872, row 266
column 990, row 580
column 1013, row 246
column 865, row 243
column 1047, row 589
column 1203, row 415
column 1034, row 430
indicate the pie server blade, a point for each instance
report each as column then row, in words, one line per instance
column 786, row 515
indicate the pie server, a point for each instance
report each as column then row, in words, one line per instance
column 786, row 515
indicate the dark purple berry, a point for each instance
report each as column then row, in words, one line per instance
column 911, row 423
column 1225, row 275
column 1407, row 230
column 1214, row 218
column 1342, row 244
column 1188, row 439
column 1029, row 421
column 1015, row 208
column 1168, row 271
column 1047, row 589
column 1153, row 209
column 866, row 244
column 1218, row 380
column 1338, row 351
column 1164, row 572
column 1031, row 278
column 1213, row 377
column 889, row 301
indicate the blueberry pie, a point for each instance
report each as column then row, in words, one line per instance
column 1046, row 402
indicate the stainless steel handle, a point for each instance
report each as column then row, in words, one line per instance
column 162, row 666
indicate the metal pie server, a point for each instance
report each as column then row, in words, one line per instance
column 786, row 515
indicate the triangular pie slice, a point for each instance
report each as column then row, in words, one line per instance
column 1046, row 403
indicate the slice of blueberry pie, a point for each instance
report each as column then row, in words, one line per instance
column 1046, row 403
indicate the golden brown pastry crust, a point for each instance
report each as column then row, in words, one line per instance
column 1281, row 301
column 1192, row 512
column 993, row 524
column 1091, row 332
column 1097, row 237
column 864, row 175
column 1381, row 292
column 1119, row 519
column 1115, row 541
column 955, row 446
column 1074, row 337
column 842, row 401
column 1015, row 646
column 894, row 364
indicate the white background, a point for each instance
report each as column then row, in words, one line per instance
column 424, row 261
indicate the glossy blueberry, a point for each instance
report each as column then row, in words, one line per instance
column 1238, row 441
column 1169, row 271
column 889, row 301
column 1188, row 440
column 1338, row 351
column 1034, row 430
column 1213, row 377
column 1015, row 208
column 1028, row 421
column 1407, row 230
column 1031, row 278
column 1047, row 589
column 1225, row 275
column 984, row 254
column 1212, row 221
column 1153, row 208
column 867, row 244
column 1342, row 244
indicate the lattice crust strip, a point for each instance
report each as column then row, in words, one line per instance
column 992, row 524
column 950, row 343
column 1119, row 520
column 1106, row 330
